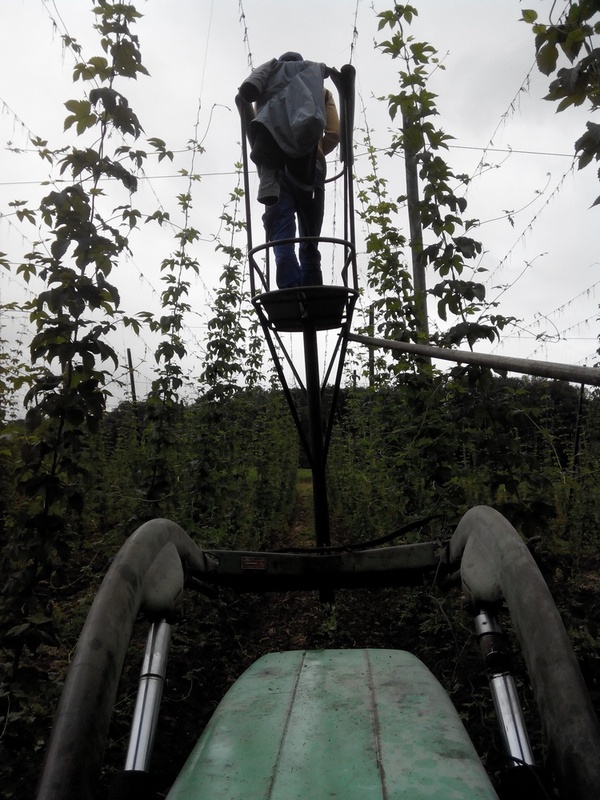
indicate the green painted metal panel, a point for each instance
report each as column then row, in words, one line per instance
column 345, row 724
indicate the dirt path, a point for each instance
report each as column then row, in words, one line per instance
column 302, row 529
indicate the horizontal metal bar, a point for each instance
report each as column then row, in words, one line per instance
column 349, row 258
column 299, row 239
column 403, row 565
column 525, row 366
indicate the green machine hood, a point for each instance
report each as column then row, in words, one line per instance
column 350, row 724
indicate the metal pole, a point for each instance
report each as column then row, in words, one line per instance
column 315, row 432
column 136, row 409
column 371, row 351
column 147, row 705
column 416, row 231
column 503, row 688
column 131, row 378
column 543, row 369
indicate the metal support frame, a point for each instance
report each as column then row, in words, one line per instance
column 257, row 571
column 147, row 572
column 497, row 566
column 315, row 440
column 147, row 705
column 76, row 747
column 503, row 688
column 315, row 429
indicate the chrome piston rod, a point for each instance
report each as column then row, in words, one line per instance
column 145, row 715
column 504, row 690
column 510, row 717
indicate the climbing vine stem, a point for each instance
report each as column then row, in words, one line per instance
column 444, row 247
column 81, row 242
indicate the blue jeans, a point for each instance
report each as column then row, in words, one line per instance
column 280, row 223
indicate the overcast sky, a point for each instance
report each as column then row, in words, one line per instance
column 541, row 238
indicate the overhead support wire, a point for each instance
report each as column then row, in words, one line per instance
column 6, row 109
column 564, row 306
column 527, row 229
column 523, row 88
column 354, row 32
column 561, row 334
column 246, row 37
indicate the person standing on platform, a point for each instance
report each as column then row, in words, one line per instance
column 292, row 126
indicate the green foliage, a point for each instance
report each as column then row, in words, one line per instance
column 573, row 39
column 163, row 403
column 388, row 275
column 231, row 469
column 72, row 318
column 439, row 232
column 15, row 374
column 241, row 478
column 233, row 350
column 442, row 445
column 224, row 466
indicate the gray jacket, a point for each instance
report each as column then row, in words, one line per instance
column 290, row 103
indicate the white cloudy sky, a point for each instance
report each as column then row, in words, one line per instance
column 545, row 267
